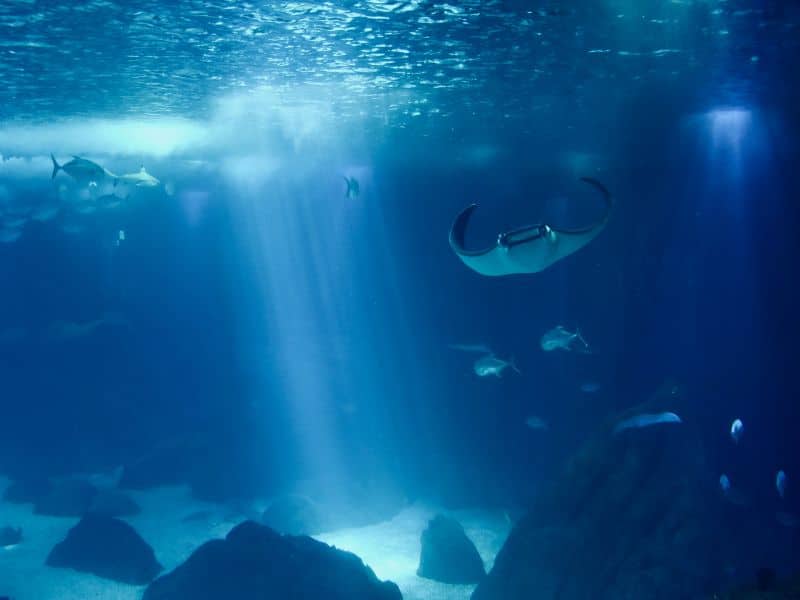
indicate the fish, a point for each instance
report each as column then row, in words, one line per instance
column 491, row 365
column 559, row 338
column 480, row 348
column 529, row 249
column 140, row 179
column 646, row 420
column 780, row 483
column 63, row 331
column 737, row 429
column 724, row 483
column 731, row 494
column 353, row 188
column 81, row 169
column 536, row 423
column 109, row 201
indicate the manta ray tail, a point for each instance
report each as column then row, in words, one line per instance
column 56, row 166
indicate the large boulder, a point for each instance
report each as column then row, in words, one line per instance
column 635, row 514
column 108, row 548
column 66, row 498
column 254, row 562
column 448, row 555
column 294, row 514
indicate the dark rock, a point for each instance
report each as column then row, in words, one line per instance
column 766, row 579
column 448, row 555
column 9, row 536
column 635, row 515
column 67, row 498
column 254, row 562
column 108, row 548
column 112, row 503
column 27, row 490
column 294, row 514
column 778, row 590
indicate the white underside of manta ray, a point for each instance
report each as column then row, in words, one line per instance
column 528, row 249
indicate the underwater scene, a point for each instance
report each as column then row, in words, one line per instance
column 383, row 299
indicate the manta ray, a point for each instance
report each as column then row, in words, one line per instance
column 529, row 249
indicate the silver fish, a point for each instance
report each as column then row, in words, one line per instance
column 491, row 365
column 780, row 483
column 646, row 420
column 559, row 338
column 80, row 169
column 737, row 429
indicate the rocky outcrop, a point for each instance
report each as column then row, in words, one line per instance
column 447, row 554
column 108, row 548
column 66, row 498
column 294, row 514
column 634, row 515
column 254, row 562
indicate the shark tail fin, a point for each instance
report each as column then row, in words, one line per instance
column 513, row 363
column 56, row 166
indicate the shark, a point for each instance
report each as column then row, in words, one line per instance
column 140, row 179
column 528, row 249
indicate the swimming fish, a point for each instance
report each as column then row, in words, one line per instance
column 353, row 188
column 120, row 237
column 646, row 420
column 724, row 483
column 780, row 483
column 529, row 249
column 737, row 429
column 140, row 179
column 536, row 423
column 80, row 169
column 491, row 365
column 590, row 387
column 559, row 338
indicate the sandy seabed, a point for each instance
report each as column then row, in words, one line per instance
column 391, row 548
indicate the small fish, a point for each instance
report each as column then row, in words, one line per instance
column 559, row 338
column 646, row 420
column 780, row 483
column 536, row 423
column 590, row 387
column 737, row 429
column 120, row 237
column 81, row 169
column 353, row 188
column 140, row 179
column 724, row 483
column 787, row 519
column 491, row 365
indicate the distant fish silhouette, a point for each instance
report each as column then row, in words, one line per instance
column 780, row 483
column 646, row 420
column 491, row 365
column 737, row 429
column 353, row 188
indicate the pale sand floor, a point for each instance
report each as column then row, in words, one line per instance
column 391, row 548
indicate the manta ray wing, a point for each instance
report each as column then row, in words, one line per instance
column 528, row 249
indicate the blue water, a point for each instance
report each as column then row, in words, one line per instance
column 302, row 335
